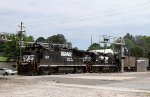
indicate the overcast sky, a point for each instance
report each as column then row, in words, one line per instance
column 78, row 20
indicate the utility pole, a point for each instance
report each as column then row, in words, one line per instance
column 91, row 40
column 21, row 30
column 21, row 40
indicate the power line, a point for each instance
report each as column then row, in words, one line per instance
column 101, row 15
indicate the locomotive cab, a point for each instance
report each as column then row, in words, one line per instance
column 30, row 59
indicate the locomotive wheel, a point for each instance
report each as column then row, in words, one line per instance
column 84, row 69
column 74, row 71
column 51, row 71
column 79, row 70
column 33, row 73
column 96, row 69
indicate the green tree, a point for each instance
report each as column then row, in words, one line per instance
column 129, row 36
column 29, row 38
column 144, row 42
column 40, row 39
column 11, row 50
column 137, row 51
column 129, row 40
column 94, row 46
column 59, row 38
column 1, row 46
column 75, row 48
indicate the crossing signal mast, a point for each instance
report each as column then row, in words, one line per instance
column 120, row 41
column 105, row 39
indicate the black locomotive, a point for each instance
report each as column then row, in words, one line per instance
column 47, row 58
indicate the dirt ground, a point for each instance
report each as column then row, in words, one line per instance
column 76, row 85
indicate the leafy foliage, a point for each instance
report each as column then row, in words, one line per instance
column 1, row 46
column 59, row 38
column 29, row 39
column 11, row 48
column 75, row 48
column 139, row 45
column 94, row 46
column 137, row 51
column 40, row 39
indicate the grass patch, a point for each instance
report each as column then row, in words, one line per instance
column 3, row 59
